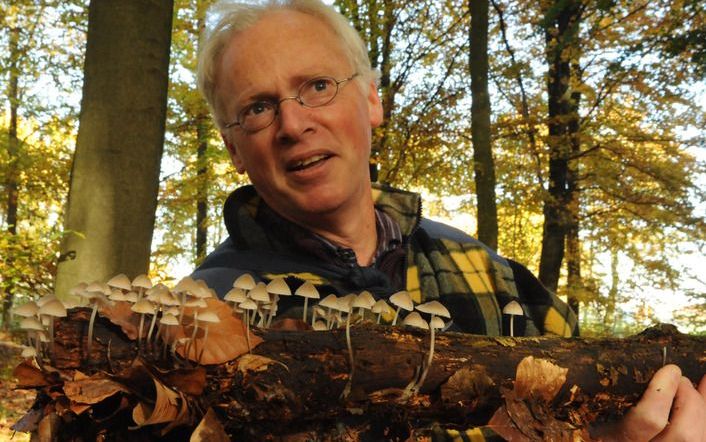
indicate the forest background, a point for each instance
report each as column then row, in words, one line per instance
column 580, row 151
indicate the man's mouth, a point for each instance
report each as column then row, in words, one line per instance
column 307, row 162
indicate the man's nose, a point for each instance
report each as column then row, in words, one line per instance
column 293, row 118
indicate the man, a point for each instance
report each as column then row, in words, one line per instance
column 293, row 94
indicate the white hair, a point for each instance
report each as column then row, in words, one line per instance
column 231, row 17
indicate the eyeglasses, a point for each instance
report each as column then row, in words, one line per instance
column 316, row 92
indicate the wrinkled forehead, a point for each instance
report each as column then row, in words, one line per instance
column 280, row 45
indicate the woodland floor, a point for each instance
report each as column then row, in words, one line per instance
column 13, row 403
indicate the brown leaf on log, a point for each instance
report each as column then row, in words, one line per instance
column 470, row 379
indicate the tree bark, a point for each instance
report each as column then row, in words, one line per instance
column 561, row 22
column 483, row 164
column 114, row 178
column 295, row 391
column 13, row 151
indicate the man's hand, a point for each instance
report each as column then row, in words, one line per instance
column 671, row 409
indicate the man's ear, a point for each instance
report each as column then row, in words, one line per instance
column 374, row 105
column 233, row 152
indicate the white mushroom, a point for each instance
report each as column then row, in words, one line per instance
column 401, row 300
column 277, row 287
column 245, row 282
column 434, row 308
column 52, row 309
column 121, row 282
column 381, row 307
column 143, row 307
column 260, row 296
column 248, row 305
column 513, row 308
column 364, row 301
column 307, row 291
column 330, row 302
column 207, row 317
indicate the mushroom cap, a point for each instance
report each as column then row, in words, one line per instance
column 166, row 298
column 142, row 281
column 196, row 302
column 28, row 352
column 331, row 301
column 513, row 308
column 173, row 310
column 381, row 306
column 185, row 284
column 346, row 302
column 248, row 304
column 278, row 286
column 31, row 323
column 117, row 295
column 367, row 297
column 26, row 310
column 434, row 308
column 143, row 306
column 169, row 319
column 209, row 316
column 414, row 319
column 156, row 291
column 53, row 308
column 44, row 299
column 76, row 290
column 307, row 290
column 402, row 299
column 235, row 295
column 259, row 293
column 201, row 289
column 244, row 281
column 363, row 301
column 120, row 281
column 131, row 297
column 320, row 325
column 437, row 323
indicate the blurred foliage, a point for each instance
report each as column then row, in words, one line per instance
column 642, row 139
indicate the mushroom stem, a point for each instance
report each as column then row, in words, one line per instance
column 90, row 329
column 203, row 347
column 512, row 330
column 423, row 376
column 275, row 300
column 139, row 333
column 149, row 333
column 306, row 303
column 247, row 329
column 349, row 384
column 397, row 313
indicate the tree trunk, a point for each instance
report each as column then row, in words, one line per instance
column 13, row 152
column 291, row 385
column 574, row 281
column 561, row 21
column 610, row 320
column 483, row 164
column 115, row 173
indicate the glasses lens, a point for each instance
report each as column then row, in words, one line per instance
column 318, row 91
column 257, row 115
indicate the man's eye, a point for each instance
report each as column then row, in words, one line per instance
column 320, row 85
column 256, row 109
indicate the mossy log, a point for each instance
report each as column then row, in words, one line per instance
column 290, row 387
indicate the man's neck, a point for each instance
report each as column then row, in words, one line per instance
column 356, row 231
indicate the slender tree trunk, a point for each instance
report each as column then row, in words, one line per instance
column 114, row 177
column 13, row 150
column 573, row 243
column 609, row 320
column 483, row 165
column 202, row 183
column 561, row 35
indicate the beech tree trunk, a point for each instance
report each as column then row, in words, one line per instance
column 291, row 387
column 115, row 173
column 483, row 164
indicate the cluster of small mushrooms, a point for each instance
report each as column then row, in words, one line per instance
column 255, row 302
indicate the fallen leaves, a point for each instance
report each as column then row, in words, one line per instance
column 209, row 429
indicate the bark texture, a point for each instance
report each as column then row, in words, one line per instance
column 290, row 388
column 483, row 164
column 114, row 179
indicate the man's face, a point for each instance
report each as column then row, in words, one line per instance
column 309, row 161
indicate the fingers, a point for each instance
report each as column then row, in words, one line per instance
column 651, row 414
column 687, row 421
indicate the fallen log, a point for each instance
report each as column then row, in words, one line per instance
column 290, row 386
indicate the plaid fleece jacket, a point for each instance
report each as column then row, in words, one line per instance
column 440, row 263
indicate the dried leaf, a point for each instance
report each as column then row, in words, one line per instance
column 539, row 378
column 250, row 362
column 166, row 407
column 29, row 422
column 504, row 426
column 187, row 380
column 470, row 386
column 30, row 376
column 209, row 429
column 48, row 430
column 121, row 315
column 91, row 390
column 226, row 340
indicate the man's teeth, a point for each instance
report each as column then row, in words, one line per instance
column 309, row 160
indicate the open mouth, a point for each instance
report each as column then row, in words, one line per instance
column 308, row 163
